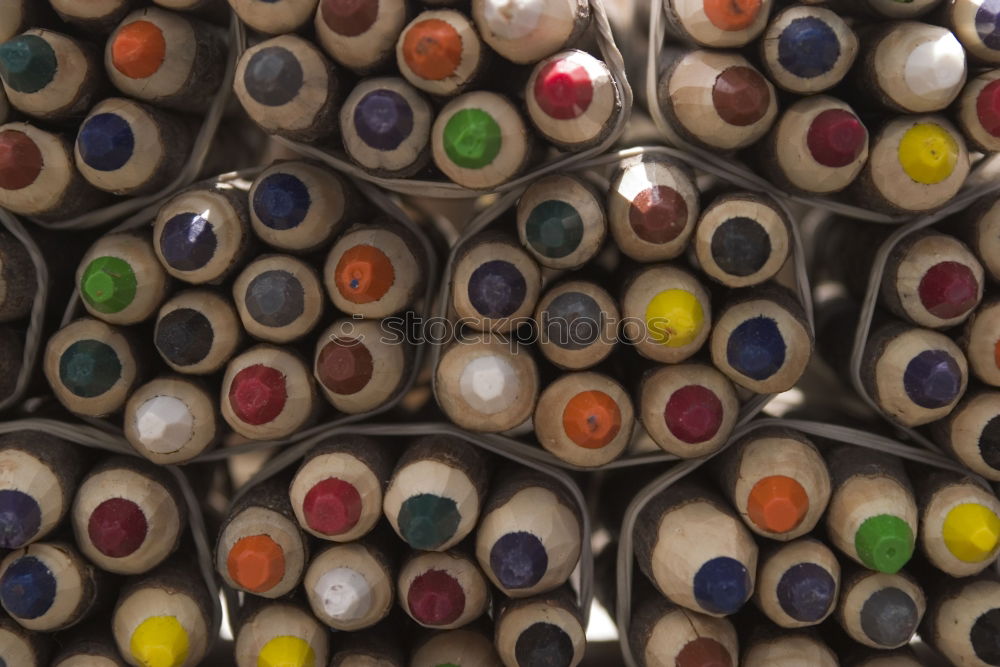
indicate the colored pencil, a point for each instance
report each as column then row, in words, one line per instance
column 668, row 312
column 19, row 646
column 661, row 633
column 797, row 583
column 689, row 410
column 959, row 523
column 280, row 633
column 561, row 221
column 542, row 630
column 807, row 50
column 289, row 87
column 742, row 239
column 120, row 280
column 442, row 590
column 652, row 208
column 714, row 24
column 872, row 515
column 818, row 145
column 336, row 493
column 351, row 586
column 572, row 100
column 360, row 364
column 298, row 206
column 528, row 539
column 971, row 433
column 48, row 586
column 39, row 474
column 716, row 99
column 933, row 280
column 375, row 270
column 708, row 561
column 788, row 649
column 978, row 112
column 197, row 331
column 584, row 418
column 378, row 645
column 915, row 164
column 89, row 645
column 171, row 419
column 530, row 31
column 479, row 140
column 880, row 610
column 49, row 75
column 578, row 324
column 455, row 647
column 92, row 367
column 484, row 384
column 202, row 235
column 962, row 620
column 360, row 35
column 915, row 376
column 761, row 340
column 166, row 58
column 279, row 298
column 777, row 481
column 38, row 176
column 975, row 25
column 127, row 148
column 385, row 124
column 981, row 343
column 440, row 52
column 275, row 17
column 910, row 67
column 495, row 283
column 128, row 515
column 95, row 17
column 17, row 272
column 260, row 548
column 165, row 617
column 436, row 492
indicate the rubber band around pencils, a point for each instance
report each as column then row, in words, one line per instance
column 445, row 190
column 625, row 558
column 871, row 297
column 384, row 202
column 748, row 410
column 293, row 454
column 740, row 174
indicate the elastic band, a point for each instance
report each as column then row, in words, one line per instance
column 442, row 190
column 199, row 152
